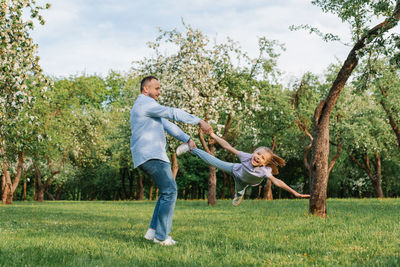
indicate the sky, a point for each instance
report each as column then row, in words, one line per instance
column 96, row 36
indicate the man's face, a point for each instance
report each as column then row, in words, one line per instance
column 152, row 89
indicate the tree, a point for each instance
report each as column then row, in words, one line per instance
column 19, row 73
column 358, row 14
column 367, row 137
column 70, row 125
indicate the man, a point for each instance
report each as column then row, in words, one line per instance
column 149, row 121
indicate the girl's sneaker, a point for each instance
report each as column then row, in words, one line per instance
column 167, row 242
column 237, row 200
column 182, row 149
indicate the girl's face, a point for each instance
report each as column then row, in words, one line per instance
column 260, row 158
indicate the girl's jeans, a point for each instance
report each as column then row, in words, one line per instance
column 240, row 187
column 160, row 172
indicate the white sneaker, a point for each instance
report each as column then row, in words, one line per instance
column 237, row 200
column 167, row 242
column 182, row 149
column 150, row 234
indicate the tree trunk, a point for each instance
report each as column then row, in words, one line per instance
column 7, row 186
column 139, row 188
column 320, row 147
column 122, row 172
column 59, row 192
column 34, row 190
column 212, row 182
column 268, row 191
column 231, row 186
column 51, row 197
column 40, row 196
column 39, row 188
column 131, row 178
column 24, row 196
column 175, row 165
column 151, row 190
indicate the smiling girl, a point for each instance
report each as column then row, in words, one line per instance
column 252, row 169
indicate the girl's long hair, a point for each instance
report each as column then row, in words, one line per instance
column 274, row 161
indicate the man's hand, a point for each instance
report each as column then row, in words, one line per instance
column 205, row 127
column 192, row 144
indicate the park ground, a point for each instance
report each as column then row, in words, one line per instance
column 356, row 232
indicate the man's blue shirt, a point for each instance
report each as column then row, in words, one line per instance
column 149, row 121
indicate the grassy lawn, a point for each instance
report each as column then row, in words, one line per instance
column 257, row 233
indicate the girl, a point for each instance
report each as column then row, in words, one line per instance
column 251, row 170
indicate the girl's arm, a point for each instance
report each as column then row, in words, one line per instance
column 281, row 184
column 224, row 144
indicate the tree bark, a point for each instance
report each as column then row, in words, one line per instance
column 139, row 188
column 24, row 196
column 151, row 191
column 212, row 185
column 175, row 164
column 7, row 186
column 35, row 190
column 59, row 192
column 122, row 173
column 320, row 146
column 131, row 180
column 51, row 197
column 267, row 194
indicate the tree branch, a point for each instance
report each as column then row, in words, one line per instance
column 19, row 170
column 305, row 156
column 336, row 157
column 392, row 122
column 203, row 142
column 351, row 62
column 227, row 126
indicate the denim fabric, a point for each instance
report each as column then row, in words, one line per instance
column 222, row 165
column 160, row 172
column 149, row 121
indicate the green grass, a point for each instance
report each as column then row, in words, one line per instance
column 257, row 233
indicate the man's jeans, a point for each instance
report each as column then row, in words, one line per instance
column 160, row 172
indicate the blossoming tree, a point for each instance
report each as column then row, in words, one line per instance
column 19, row 73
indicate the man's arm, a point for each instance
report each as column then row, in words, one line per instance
column 153, row 109
column 174, row 130
column 224, row 144
column 281, row 184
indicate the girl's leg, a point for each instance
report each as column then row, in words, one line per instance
column 240, row 190
column 240, row 187
column 222, row 165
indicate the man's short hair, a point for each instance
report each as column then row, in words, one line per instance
column 145, row 81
